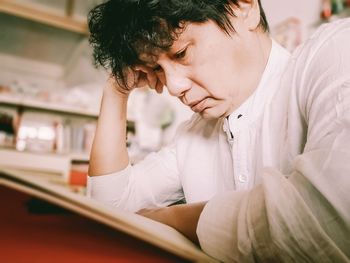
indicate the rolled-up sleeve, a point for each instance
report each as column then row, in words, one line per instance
column 108, row 188
column 153, row 182
column 217, row 226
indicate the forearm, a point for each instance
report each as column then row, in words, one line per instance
column 109, row 152
column 184, row 218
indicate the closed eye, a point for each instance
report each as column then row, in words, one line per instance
column 181, row 54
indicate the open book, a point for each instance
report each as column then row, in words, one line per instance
column 45, row 187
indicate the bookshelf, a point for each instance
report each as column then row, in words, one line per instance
column 343, row 14
column 40, row 15
column 18, row 101
column 29, row 161
column 24, row 114
column 62, row 129
column 70, row 144
column 79, row 157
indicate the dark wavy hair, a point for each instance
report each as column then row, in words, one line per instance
column 121, row 30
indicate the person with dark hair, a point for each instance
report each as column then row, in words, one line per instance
column 122, row 30
column 255, row 107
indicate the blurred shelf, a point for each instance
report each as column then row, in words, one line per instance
column 49, row 18
column 79, row 157
column 46, row 161
column 30, row 161
column 46, row 106
column 343, row 14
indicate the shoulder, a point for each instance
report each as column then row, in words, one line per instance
column 327, row 47
column 320, row 66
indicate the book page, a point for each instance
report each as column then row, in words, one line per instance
column 47, row 187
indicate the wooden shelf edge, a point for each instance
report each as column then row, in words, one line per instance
column 46, row 106
column 80, row 157
column 25, row 160
column 43, row 17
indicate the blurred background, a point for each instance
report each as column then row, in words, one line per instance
column 50, row 91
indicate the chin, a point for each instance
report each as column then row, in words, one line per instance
column 211, row 114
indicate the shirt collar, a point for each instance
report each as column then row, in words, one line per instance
column 252, row 108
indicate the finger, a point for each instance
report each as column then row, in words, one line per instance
column 130, row 76
column 142, row 81
column 141, row 68
column 142, row 211
column 150, row 75
column 159, row 86
column 152, row 80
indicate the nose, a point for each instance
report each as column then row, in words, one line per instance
column 176, row 82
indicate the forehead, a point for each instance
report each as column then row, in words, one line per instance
column 188, row 33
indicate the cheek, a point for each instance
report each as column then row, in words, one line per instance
column 206, row 76
column 217, row 76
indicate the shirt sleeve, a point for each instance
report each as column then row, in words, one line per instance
column 303, row 216
column 153, row 182
column 108, row 188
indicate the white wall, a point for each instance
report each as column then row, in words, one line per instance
column 307, row 11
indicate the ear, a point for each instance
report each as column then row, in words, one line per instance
column 249, row 12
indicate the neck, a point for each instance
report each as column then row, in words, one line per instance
column 265, row 48
column 259, row 56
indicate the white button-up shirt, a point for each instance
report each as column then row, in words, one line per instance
column 284, row 154
column 207, row 157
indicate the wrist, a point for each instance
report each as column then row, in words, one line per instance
column 114, row 89
column 113, row 101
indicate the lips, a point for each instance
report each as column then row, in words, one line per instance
column 197, row 106
column 194, row 103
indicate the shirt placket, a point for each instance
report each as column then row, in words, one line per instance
column 238, row 154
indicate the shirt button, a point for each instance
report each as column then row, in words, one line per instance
column 242, row 178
